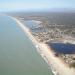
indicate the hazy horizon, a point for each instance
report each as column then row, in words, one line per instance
column 36, row 5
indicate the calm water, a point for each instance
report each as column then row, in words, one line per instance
column 18, row 55
column 34, row 27
column 63, row 48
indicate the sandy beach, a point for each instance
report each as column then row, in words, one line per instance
column 57, row 66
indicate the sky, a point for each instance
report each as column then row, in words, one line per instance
column 34, row 5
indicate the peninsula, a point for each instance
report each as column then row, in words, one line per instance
column 45, row 37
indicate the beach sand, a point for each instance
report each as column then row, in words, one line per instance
column 57, row 66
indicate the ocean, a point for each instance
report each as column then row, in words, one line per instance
column 18, row 55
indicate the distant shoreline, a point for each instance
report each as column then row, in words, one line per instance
column 56, row 64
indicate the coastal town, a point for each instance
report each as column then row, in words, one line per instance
column 37, row 37
column 43, row 32
column 52, row 34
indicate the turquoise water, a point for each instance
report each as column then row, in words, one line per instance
column 18, row 55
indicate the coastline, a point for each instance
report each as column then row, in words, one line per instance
column 58, row 68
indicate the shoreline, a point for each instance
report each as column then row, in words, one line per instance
column 58, row 68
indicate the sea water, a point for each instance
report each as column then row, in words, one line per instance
column 18, row 55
